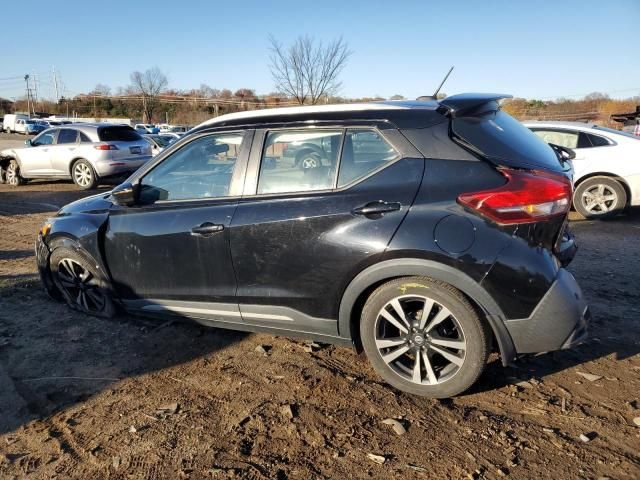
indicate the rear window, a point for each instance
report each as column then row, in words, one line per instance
column 118, row 134
column 500, row 137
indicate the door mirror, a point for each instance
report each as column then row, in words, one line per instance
column 125, row 194
column 28, row 143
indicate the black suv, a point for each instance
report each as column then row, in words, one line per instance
column 430, row 234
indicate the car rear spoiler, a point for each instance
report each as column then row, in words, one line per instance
column 467, row 103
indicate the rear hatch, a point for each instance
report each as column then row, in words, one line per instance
column 537, row 194
column 129, row 144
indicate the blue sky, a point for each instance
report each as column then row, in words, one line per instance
column 533, row 49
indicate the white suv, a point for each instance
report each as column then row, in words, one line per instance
column 606, row 165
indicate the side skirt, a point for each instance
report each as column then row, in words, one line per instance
column 271, row 319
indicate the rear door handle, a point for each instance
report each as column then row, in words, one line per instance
column 207, row 229
column 377, row 208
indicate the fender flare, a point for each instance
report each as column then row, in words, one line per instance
column 402, row 267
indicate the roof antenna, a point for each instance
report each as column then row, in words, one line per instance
column 435, row 94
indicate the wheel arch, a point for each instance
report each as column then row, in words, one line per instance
column 365, row 282
column 610, row 175
column 73, row 162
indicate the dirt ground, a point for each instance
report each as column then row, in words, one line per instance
column 136, row 398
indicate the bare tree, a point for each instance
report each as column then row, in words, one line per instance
column 101, row 89
column 308, row 70
column 149, row 84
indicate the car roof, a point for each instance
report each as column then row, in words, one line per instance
column 392, row 111
column 402, row 113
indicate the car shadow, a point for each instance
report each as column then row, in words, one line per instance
column 52, row 358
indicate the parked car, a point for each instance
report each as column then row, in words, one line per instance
column 85, row 153
column 143, row 128
column 29, row 127
column 158, row 142
column 606, row 165
column 50, row 123
column 10, row 119
column 428, row 242
column 174, row 135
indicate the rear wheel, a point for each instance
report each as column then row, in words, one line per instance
column 599, row 197
column 309, row 160
column 80, row 283
column 13, row 176
column 84, row 175
column 424, row 337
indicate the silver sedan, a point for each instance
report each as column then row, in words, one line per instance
column 85, row 153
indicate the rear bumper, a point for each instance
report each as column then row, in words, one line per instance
column 558, row 322
column 107, row 168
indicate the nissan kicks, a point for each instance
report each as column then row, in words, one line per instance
column 427, row 234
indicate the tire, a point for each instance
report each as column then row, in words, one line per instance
column 13, row 176
column 452, row 341
column 599, row 197
column 3, row 174
column 84, row 175
column 80, row 283
column 309, row 160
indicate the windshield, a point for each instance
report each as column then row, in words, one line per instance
column 118, row 133
column 30, row 122
column 617, row 132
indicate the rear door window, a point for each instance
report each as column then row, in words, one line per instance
column 67, row 135
column 498, row 136
column 299, row 160
column 118, row 134
column 564, row 138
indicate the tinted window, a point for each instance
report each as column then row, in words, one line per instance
column 299, row 160
column 498, row 135
column 45, row 138
column 201, row 169
column 597, row 141
column 84, row 138
column 67, row 135
column 118, row 134
column 364, row 151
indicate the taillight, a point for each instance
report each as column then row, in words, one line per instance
column 105, row 146
column 528, row 196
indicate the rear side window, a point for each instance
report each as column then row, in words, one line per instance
column 597, row 141
column 84, row 138
column 67, row 135
column 499, row 136
column 118, row 134
column 364, row 151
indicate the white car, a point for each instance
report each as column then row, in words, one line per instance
column 606, row 165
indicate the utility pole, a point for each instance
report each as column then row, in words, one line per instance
column 55, row 82
column 26, row 79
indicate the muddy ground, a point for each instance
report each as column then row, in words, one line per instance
column 134, row 398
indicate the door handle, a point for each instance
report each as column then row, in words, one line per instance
column 207, row 229
column 377, row 208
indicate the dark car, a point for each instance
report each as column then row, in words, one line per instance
column 433, row 234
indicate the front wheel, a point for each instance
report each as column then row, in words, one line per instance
column 424, row 337
column 84, row 175
column 599, row 197
column 82, row 286
column 13, row 176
